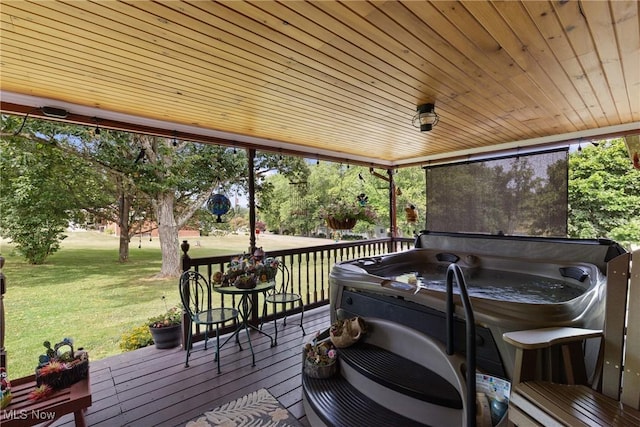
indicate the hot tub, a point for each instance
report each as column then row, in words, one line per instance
column 514, row 284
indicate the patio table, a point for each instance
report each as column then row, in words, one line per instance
column 244, row 308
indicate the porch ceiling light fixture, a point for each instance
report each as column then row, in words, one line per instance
column 426, row 117
column 55, row 112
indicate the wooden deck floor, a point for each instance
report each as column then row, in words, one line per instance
column 150, row 387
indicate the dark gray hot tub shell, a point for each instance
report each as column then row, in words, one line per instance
column 360, row 287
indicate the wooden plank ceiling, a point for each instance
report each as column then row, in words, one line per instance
column 333, row 78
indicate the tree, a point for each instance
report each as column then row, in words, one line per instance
column 295, row 208
column 604, row 192
column 104, row 159
column 137, row 181
column 281, row 195
column 179, row 176
column 41, row 189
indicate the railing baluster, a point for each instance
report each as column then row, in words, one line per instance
column 315, row 278
column 307, row 258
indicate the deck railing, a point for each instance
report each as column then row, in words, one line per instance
column 309, row 269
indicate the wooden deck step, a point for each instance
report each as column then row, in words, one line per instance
column 338, row 403
column 400, row 374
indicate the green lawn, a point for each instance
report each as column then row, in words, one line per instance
column 84, row 293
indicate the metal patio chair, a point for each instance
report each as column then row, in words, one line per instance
column 282, row 295
column 197, row 299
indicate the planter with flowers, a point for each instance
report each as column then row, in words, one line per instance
column 61, row 366
column 166, row 328
column 320, row 359
column 246, row 271
column 344, row 215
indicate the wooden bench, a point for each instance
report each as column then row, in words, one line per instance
column 24, row 412
column 613, row 399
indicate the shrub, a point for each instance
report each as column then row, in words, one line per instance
column 136, row 338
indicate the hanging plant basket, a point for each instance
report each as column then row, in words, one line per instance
column 345, row 224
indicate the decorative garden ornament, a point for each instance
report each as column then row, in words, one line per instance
column 344, row 333
column 412, row 214
column 218, row 204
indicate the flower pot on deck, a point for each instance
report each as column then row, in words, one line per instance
column 166, row 337
column 314, row 370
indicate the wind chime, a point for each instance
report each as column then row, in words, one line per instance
column 298, row 208
column 141, row 220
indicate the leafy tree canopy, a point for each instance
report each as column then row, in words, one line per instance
column 604, row 193
column 42, row 186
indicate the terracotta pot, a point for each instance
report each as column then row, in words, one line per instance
column 346, row 224
column 167, row 337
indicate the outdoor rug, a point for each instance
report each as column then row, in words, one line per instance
column 257, row 409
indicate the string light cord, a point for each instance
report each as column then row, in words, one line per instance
column 24, row 121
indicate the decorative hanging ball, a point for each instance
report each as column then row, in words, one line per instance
column 363, row 199
column 218, row 204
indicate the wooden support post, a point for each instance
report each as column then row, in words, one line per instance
column 393, row 210
column 631, row 383
column 186, row 265
column 3, row 288
column 251, row 154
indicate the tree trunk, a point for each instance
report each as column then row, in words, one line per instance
column 168, row 232
column 124, row 205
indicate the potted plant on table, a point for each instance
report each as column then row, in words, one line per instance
column 246, row 271
column 166, row 328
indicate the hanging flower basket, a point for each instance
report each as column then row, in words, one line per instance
column 345, row 224
column 343, row 215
